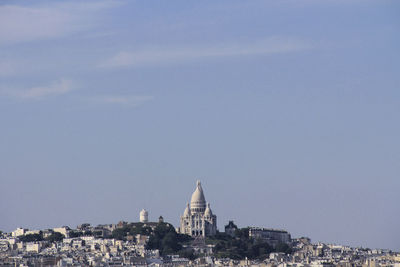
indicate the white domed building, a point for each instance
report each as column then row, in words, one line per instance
column 198, row 219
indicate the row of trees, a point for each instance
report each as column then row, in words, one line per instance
column 162, row 237
column 54, row 237
column 131, row 229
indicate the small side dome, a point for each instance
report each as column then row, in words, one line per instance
column 208, row 211
column 186, row 213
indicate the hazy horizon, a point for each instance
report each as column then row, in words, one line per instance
column 287, row 111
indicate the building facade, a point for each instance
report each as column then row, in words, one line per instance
column 230, row 228
column 272, row 236
column 198, row 219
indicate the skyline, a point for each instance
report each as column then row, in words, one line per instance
column 287, row 112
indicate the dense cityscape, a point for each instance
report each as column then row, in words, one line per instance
column 288, row 111
column 196, row 242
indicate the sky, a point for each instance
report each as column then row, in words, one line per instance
column 287, row 111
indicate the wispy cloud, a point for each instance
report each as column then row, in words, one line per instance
column 126, row 100
column 176, row 54
column 27, row 23
column 58, row 87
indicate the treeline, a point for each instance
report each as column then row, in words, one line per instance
column 54, row 237
column 241, row 246
column 168, row 241
column 131, row 229
column 162, row 237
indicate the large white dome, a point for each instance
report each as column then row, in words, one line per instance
column 198, row 201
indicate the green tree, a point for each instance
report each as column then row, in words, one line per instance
column 282, row 247
column 153, row 243
column 119, row 233
column 31, row 237
column 165, row 239
column 170, row 243
column 55, row 237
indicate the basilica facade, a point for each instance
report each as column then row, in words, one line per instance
column 198, row 219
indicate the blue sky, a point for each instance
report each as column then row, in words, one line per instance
column 287, row 111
